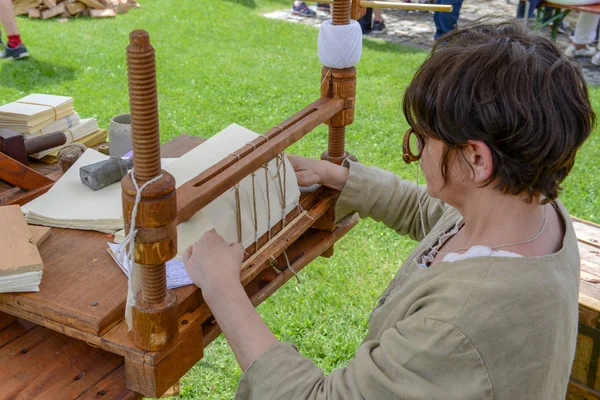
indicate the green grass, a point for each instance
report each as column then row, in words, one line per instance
column 220, row 62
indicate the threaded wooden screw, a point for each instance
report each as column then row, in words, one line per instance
column 341, row 12
column 141, row 75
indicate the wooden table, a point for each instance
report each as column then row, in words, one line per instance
column 75, row 343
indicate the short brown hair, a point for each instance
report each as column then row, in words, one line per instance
column 512, row 89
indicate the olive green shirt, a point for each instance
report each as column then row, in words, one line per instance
column 481, row 328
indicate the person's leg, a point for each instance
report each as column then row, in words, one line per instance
column 377, row 12
column 14, row 47
column 585, row 33
column 378, row 24
column 366, row 21
column 300, row 8
column 7, row 17
column 446, row 21
column 585, row 30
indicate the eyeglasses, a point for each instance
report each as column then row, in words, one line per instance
column 412, row 146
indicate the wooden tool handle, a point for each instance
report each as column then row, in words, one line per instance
column 45, row 142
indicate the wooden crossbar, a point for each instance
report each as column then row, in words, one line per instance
column 206, row 187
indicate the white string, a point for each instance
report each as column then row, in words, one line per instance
column 287, row 260
column 273, row 262
column 418, row 164
column 340, row 46
column 125, row 250
column 266, row 167
column 325, row 77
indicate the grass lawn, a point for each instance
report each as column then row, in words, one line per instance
column 219, row 62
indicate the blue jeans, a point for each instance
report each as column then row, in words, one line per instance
column 446, row 21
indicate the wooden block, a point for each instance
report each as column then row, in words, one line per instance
column 18, row 252
column 75, row 8
column 106, row 13
column 39, row 234
column 54, row 11
column 17, row 174
column 122, row 8
column 155, row 380
column 34, row 13
column 21, row 7
column 93, row 4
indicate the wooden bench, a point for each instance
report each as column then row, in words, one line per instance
column 558, row 14
column 584, row 383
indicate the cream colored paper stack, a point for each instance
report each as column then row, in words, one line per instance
column 20, row 262
column 75, row 133
column 61, row 125
column 32, row 113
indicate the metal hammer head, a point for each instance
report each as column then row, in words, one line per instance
column 101, row 174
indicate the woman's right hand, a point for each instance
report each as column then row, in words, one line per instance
column 308, row 171
column 318, row 172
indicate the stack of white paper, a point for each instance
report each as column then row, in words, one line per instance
column 61, row 125
column 32, row 113
column 71, row 204
column 25, row 282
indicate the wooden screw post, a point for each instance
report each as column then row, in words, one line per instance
column 155, row 313
column 339, row 84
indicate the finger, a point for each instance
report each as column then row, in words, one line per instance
column 187, row 254
column 296, row 161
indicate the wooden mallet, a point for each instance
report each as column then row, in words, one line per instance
column 14, row 145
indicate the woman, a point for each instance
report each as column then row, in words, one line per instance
column 486, row 306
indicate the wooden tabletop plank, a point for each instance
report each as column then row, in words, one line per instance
column 111, row 388
column 14, row 331
column 43, row 364
column 589, row 253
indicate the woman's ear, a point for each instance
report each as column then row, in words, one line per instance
column 479, row 156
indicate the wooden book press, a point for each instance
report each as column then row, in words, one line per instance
column 83, row 294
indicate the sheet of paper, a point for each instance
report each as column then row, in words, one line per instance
column 222, row 212
column 176, row 273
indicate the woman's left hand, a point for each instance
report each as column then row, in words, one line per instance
column 212, row 264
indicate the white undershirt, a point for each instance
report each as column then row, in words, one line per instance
column 475, row 251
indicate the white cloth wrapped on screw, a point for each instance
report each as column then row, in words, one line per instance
column 340, row 46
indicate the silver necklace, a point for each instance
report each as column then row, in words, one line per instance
column 507, row 244
column 467, row 248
